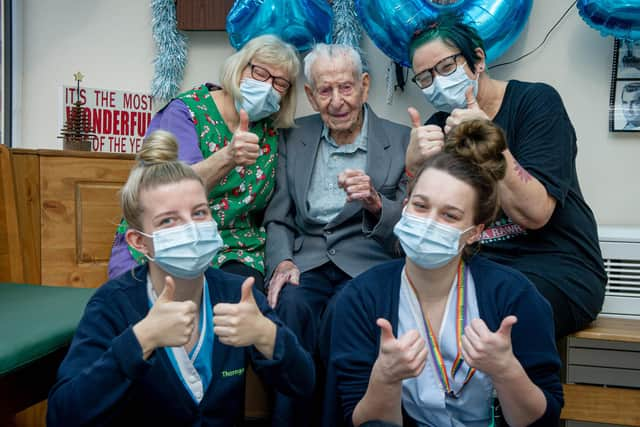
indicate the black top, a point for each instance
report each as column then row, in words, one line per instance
column 565, row 252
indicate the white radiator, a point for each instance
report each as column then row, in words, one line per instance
column 620, row 247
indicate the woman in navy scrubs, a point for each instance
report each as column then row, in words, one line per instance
column 168, row 343
column 445, row 337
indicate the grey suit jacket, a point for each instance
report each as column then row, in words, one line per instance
column 354, row 240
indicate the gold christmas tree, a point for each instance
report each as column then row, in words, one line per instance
column 77, row 133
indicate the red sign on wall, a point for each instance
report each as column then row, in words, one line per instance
column 118, row 118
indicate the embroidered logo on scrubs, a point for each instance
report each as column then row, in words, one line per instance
column 232, row 373
column 503, row 229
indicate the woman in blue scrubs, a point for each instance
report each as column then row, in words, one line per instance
column 445, row 337
column 168, row 343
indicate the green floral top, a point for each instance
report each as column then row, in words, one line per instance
column 238, row 201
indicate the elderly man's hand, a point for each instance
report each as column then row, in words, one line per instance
column 285, row 272
column 358, row 186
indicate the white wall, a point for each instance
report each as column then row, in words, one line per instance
column 111, row 43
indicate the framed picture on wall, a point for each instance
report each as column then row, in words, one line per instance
column 628, row 59
column 624, row 100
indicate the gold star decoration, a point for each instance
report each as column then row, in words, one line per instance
column 78, row 76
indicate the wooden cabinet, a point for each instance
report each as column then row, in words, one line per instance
column 68, row 210
column 202, row 14
column 603, row 374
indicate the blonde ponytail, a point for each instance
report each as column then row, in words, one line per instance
column 157, row 165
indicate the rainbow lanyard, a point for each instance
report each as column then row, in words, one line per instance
column 438, row 360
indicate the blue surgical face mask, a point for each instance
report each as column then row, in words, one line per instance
column 259, row 99
column 428, row 243
column 185, row 251
column 449, row 92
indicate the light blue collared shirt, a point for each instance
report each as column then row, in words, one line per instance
column 423, row 397
column 325, row 198
column 195, row 369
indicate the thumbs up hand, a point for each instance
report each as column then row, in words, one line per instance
column 459, row 115
column 169, row 323
column 400, row 358
column 489, row 352
column 243, row 324
column 424, row 142
column 244, row 148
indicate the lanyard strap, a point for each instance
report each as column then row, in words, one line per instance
column 436, row 354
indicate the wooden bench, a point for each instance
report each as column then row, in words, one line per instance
column 37, row 324
column 602, row 366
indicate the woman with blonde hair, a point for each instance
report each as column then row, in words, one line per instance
column 168, row 342
column 229, row 134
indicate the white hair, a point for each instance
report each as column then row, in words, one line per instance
column 331, row 52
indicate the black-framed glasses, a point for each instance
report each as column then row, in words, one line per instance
column 444, row 67
column 262, row 74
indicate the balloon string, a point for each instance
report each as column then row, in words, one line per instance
column 541, row 43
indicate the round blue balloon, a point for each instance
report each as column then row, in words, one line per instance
column 302, row 23
column 391, row 23
column 618, row 18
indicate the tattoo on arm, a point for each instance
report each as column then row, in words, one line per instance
column 522, row 173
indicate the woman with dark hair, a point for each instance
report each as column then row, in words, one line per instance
column 446, row 337
column 545, row 229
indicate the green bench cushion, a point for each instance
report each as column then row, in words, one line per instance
column 36, row 321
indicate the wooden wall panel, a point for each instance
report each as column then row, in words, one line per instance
column 79, row 216
column 10, row 244
column 26, row 167
column 202, row 14
column 98, row 215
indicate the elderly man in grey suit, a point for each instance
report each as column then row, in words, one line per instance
column 339, row 191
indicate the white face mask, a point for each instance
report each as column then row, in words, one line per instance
column 187, row 250
column 449, row 92
column 428, row 243
column 259, row 99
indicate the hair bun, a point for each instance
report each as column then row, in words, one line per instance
column 480, row 142
column 159, row 146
